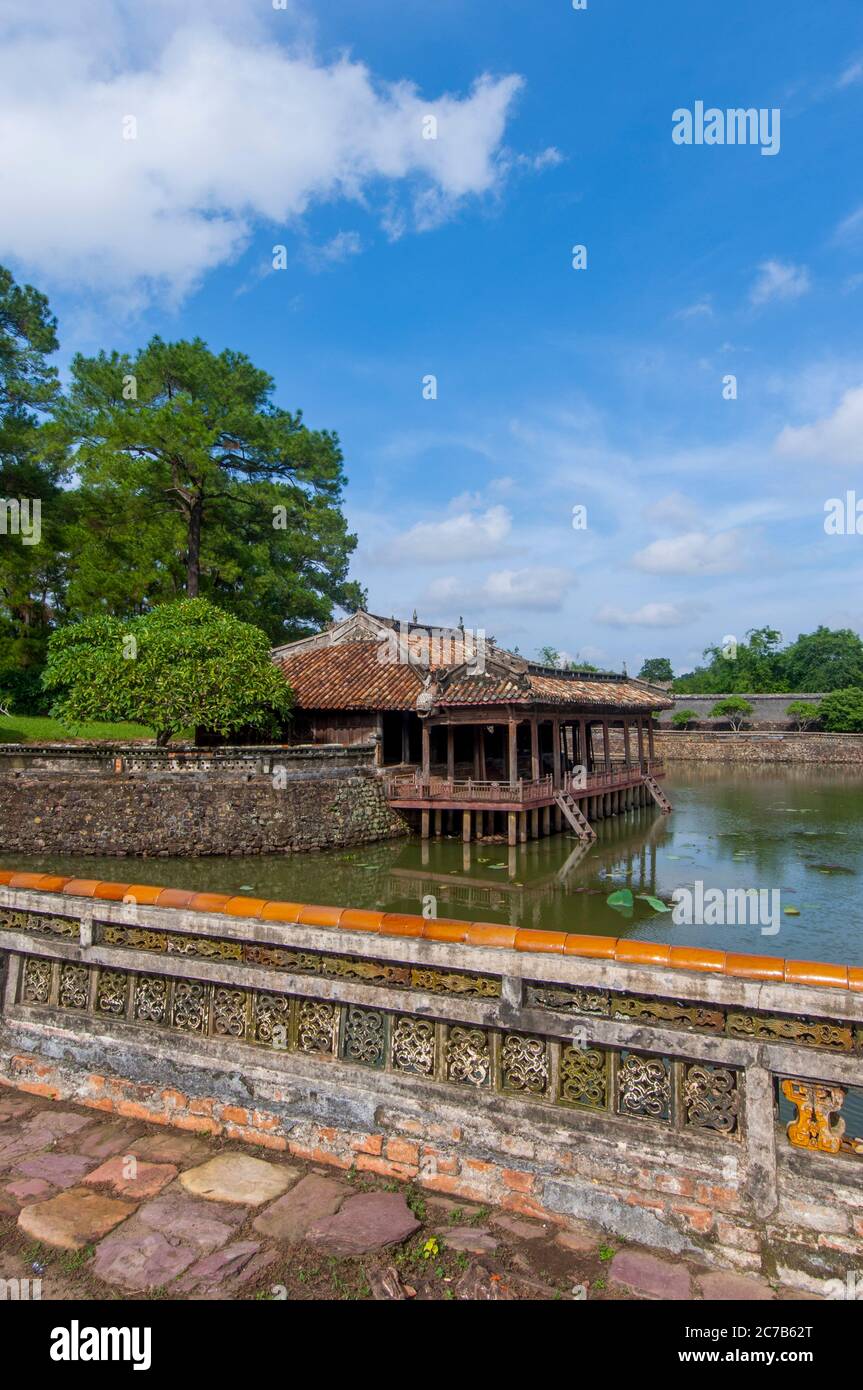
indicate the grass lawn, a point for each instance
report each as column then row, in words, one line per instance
column 25, row 728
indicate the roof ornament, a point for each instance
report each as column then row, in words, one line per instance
column 425, row 699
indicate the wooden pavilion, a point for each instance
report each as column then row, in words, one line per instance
column 465, row 729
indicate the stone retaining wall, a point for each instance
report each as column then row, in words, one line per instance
column 791, row 747
column 768, row 711
column 170, row 814
column 631, row 1084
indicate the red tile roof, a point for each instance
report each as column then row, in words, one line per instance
column 550, row 690
column 353, row 676
column 350, row 675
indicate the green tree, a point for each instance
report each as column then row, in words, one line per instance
column 824, row 660
column 681, row 717
column 183, row 665
column 193, row 482
column 550, row 656
column 655, row 669
column 841, row 712
column 738, row 667
column 803, row 713
column 34, row 506
column 733, row 709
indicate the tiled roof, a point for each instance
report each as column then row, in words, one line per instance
column 350, row 675
column 356, row 675
column 551, row 690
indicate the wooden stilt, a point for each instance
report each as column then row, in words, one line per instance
column 522, row 827
column 424, row 824
column 465, row 826
column 511, row 827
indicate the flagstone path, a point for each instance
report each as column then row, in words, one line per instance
column 97, row 1207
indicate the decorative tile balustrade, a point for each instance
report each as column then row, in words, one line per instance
column 561, row 1046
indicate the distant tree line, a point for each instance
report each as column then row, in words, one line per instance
column 816, row 662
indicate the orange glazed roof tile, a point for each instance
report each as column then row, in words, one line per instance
column 353, row 676
column 543, row 689
column 493, row 934
column 350, row 676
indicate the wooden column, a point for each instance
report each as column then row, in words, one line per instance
column 626, row 739
column 522, row 827
column 513, row 752
column 465, row 826
column 650, row 738
column 450, row 753
column 482, row 769
column 406, row 740
column 534, row 748
column 426, row 769
column 511, row 829
column 424, row 824
column 477, row 740
column 640, row 727
column 555, row 735
column 606, row 746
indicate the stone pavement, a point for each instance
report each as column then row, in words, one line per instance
column 97, row 1207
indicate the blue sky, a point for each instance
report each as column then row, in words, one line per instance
column 407, row 257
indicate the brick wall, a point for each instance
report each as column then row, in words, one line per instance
column 567, row 1086
column 191, row 813
column 710, row 747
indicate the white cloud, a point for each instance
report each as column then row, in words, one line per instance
column 779, row 280
column 230, row 131
column 648, row 615
column 851, row 227
column 541, row 589
column 464, row 535
column 338, row 249
column 702, row 308
column 835, row 439
column 695, row 552
column 853, row 73
column 535, row 163
column 674, row 510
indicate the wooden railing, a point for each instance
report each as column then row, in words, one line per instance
column 412, row 786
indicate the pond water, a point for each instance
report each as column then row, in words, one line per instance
column 792, row 831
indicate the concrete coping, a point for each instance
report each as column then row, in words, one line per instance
column 693, row 958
